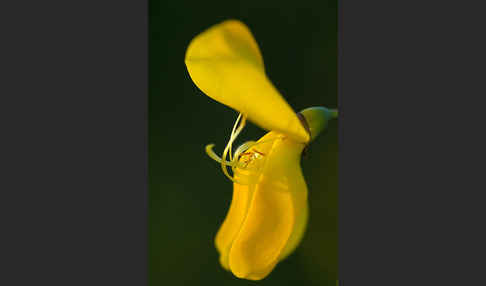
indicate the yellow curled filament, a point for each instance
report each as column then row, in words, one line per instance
column 240, row 151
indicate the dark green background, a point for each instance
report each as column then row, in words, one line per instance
column 188, row 194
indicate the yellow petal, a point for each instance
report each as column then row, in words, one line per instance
column 240, row 202
column 264, row 234
column 233, row 221
column 226, row 64
column 274, row 216
column 298, row 231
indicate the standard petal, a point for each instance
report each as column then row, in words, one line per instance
column 276, row 210
column 226, row 64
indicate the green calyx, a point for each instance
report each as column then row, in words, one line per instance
column 317, row 119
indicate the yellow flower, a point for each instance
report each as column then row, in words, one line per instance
column 269, row 209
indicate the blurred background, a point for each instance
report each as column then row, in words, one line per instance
column 188, row 194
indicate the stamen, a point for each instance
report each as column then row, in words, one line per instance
column 210, row 152
column 233, row 164
column 234, row 134
column 240, row 151
column 243, row 147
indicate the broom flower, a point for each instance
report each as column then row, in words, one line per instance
column 269, row 209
